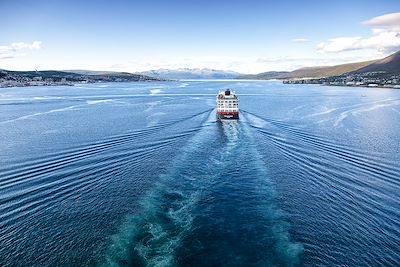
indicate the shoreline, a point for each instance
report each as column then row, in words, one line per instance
column 397, row 86
column 49, row 84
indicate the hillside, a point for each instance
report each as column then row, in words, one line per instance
column 310, row 72
column 74, row 77
column 265, row 75
column 327, row 71
column 388, row 64
column 53, row 77
column 100, row 72
column 90, row 72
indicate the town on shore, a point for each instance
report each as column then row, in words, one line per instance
column 367, row 79
column 54, row 78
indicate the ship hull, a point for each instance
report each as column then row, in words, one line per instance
column 228, row 115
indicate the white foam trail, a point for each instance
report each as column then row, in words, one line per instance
column 155, row 91
column 257, row 122
column 327, row 111
column 348, row 108
column 47, row 97
column 145, row 238
column 341, row 118
column 378, row 106
column 183, row 85
column 75, row 107
column 154, row 118
column 287, row 250
column 93, row 102
column 28, row 98
column 155, row 235
column 151, row 105
column 363, row 109
column 231, row 131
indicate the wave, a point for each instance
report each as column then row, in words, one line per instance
column 207, row 211
column 60, row 159
column 155, row 91
column 354, row 183
column 354, row 110
column 145, row 238
column 74, row 107
column 93, row 102
column 183, row 85
column 31, row 186
column 48, row 186
column 367, row 161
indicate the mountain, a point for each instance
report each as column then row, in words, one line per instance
column 79, row 76
column 112, row 74
column 44, row 74
column 186, row 73
column 99, row 72
column 327, row 71
column 390, row 64
column 310, row 72
column 265, row 75
column 387, row 64
column 89, row 72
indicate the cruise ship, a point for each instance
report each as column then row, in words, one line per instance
column 227, row 105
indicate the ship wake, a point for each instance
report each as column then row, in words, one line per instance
column 215, row 206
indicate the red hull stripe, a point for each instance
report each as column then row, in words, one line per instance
column 227, row 113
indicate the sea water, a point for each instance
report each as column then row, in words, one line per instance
column 142, row 174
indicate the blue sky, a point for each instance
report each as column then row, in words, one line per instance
column 246, row 36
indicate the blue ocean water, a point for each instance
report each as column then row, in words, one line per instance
column 142, row 174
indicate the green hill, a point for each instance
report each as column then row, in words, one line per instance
column 327, row 71
column 390, row 64
column 94, row 76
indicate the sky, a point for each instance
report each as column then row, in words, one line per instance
column 249, row 36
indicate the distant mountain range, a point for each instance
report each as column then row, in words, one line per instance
column 53, row 77
column 76, row 76
column 186, row 73
column 269, row 75
column 390, row 64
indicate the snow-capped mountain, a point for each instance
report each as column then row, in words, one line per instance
column 186, row 73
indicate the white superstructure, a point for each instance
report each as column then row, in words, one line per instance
column 227, row 105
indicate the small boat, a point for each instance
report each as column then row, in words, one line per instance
column 227, row 105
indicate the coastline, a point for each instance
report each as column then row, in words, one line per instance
column 63, row 78
column 33, row 84
column 386, row 86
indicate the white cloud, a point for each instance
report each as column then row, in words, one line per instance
column 13, row 50
column 385, row 37
column 300, row 40
column 391, row 21
column 340, row 44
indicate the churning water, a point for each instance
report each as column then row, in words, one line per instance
column 141, row 174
